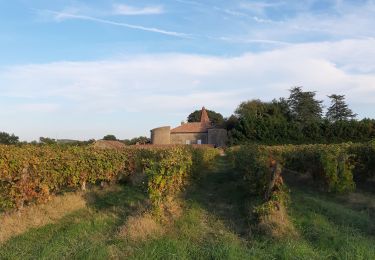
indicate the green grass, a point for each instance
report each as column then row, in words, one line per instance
column 214, row 225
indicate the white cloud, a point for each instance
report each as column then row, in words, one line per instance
column 161, row 86
column 122, row 9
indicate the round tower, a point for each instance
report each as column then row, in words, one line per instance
column 161, row 135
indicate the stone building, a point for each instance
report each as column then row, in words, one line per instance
column 203, row 132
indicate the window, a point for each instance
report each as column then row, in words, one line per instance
column 199, row 141
column 187, row 142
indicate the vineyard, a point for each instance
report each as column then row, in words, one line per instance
column 251, row 191
column 34, row 173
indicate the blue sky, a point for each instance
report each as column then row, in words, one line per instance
column 83, row 69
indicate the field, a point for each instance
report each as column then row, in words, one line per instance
column 211, row 219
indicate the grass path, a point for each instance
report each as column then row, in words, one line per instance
column 214, row 225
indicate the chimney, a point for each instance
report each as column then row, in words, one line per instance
column 182, row 122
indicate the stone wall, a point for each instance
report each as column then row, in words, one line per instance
column 217, row 137
column 161, row 135
column 181, row 138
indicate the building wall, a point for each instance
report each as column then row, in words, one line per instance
column 161, row 135
column 217, row 137
column 181, row 138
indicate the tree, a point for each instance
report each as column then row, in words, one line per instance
column 231, row 122
column 262, row 122
column 47, row 140
column 304, row 107
column 339, row 110
column 215, row 118
column 6, row 138
column 110, row 138
column 137, row 140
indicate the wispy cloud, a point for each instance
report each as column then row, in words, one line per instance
column 245, row 40
column 122, row 9
column 60, row 16
column 189, row 2
column 243, row 14
column 260, row 6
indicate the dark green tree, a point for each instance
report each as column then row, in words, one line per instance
column 304, row 108
column 339, row 110
column 215, row 118
column 231, row 122
column 47, row 140
column 262, row 122
column 6, row 138
column 110, row 138
column 137, row 140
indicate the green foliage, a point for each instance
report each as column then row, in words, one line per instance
column 328, row 227
column 215, row 118
column 304, row 107
column 253, row 162
column 167, row 171
column 32, row 173
column 6, row 138
column 170, row 169
column 339, row 110
column 297, row 120
column 47, row 140
column 110, row 138
column 203, row 159
column 364, row 160
column 263, row 122
column 334, row 168
column 137, row 140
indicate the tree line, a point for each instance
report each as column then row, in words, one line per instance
column 297, row 119
column 11, row 139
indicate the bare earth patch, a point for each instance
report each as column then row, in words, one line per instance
column 39, row 215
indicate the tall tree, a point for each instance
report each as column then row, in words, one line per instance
column 304, row 107
column 110, row 138
column 339, row 110
column 215, row 118
column 6, row 138
column 261, row 122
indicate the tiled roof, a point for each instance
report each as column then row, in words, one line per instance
column 197, row 127
column 192, row 128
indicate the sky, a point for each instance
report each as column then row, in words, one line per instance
column 83, row 69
